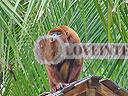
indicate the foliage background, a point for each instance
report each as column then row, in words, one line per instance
column 23, row 21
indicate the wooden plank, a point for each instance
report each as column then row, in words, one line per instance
column 105, row 91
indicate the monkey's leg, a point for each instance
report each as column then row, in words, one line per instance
column 75, row 70
column 54, row 75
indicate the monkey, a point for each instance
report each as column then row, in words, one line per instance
column 67, row 70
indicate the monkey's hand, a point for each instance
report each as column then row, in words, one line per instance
column 59, row 86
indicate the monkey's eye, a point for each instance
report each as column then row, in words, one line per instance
column 56, row 33
column 54, row 36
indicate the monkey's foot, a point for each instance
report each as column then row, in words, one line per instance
column 60, row 86
column 53, row 90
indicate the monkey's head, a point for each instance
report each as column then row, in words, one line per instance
column 65, row 33
column 50, row 48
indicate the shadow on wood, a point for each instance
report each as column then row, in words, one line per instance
column 93, row 86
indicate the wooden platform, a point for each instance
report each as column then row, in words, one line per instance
column 91, row 87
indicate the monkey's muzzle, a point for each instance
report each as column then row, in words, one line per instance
column 53, row 37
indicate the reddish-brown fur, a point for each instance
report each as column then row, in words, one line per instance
column 68, row 70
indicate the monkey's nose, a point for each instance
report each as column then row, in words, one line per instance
column 51, row 39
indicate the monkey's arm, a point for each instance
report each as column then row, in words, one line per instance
column 54, row 74
column 75, row 70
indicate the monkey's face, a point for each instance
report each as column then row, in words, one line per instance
column 54, row 36
column 58, row 35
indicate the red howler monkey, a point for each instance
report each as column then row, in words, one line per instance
column 67, row 70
